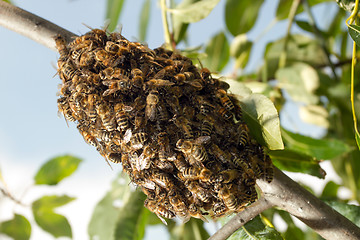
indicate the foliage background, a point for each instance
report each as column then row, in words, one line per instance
column 31, row 132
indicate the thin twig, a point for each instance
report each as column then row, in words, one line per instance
column 241, row 218
column 31, row 26
column 7, row 194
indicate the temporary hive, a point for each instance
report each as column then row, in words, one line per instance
column 176, row 130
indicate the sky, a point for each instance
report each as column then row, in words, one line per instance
column 31, row 132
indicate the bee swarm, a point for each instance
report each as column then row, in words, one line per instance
column 177, row 132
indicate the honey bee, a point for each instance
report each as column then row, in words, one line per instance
column 86, row 59
column 254, row 164
column 207, row 126
column 269, row 170
column 138, row 140
column 137, row 78
column 157, row 83
column 193, row 149
column 93, row 102
column 162, row 179
column 228, row 175
column 180, row 163
column 151, row 101
column 173, row 102
column 243, row 134
column 60, row 44
column 205, row 106
column 219, row 209
column 87, row 135
column 64, row 107
column 198, row 191
column 114, row 157
column 180, row 78
column 205, row 73
column 104, row 135
column 177, row 202
column 224, row 113
column 164, row 165
column 230, row 200
column 68, row 71
column 216, row 151
column 121, row 117
column 163, row 114
column 159, row 210
column 105, row 58
column 190, row 173
column 145, row 158
column 98, row 35
column 115, row 85
column 224, row 99
column 195, row 212
column 106, row 117
column 184, row 124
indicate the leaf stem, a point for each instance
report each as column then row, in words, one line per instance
column 165, row 22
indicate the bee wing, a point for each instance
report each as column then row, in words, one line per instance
column 202, row 140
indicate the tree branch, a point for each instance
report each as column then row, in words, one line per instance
column 282, row 191
column 31, row 26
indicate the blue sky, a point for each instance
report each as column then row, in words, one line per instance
column 31, row 131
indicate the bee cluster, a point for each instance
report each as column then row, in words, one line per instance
column 178, row 133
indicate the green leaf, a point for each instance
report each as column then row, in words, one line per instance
column 255, row 229
column 56, row 169
column 330, row 191
column 113, row 10
column 349, row 211
column 51, row 222
column 300, row 80
column 240, row 16
column 305, row 25
column 8, row 1
column 357, row 138
column 292, row 161
column 112, row 206
column 18, row 228
column 217, row 51
column 194, row 12
column 284, row 7
column 262, row 118
column 133, row 218
column 299, row 48
column 193, row 229
column 144, row 20
column 354, row 32
column 240, row 49
column 323, row 149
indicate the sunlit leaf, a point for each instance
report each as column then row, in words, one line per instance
column 113, row 10
column 351, row 212
column 144, row 20
column 109, row 209
column 18, row 228
column 323, row 149
column 240, row 16
column 240, row 49
column 8, row 1
column 255, row 229
column 300, row 80
column 193, row 229
column 217, row 51
column 195, row 11
column 133, row 218
column 354, row 32
column 314, row 114
column 292, row 161
column 262, row 118
column 55, row 224
column 56, row 169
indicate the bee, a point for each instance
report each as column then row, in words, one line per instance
column 63, row 106
column 60, row 44
column 163, row 114
column 157, row 83
column 162, row 179
column 106, row 116
column 87, row 135
column 269, row 170
column 98, row 35
column 105, row 58
column 193, row 149
column 195, row 212
column 189, row 76
column 137, row 78
column 207, row 126
column 190, row 173
column 184, row 124
column 164, row 165
column 104, row 135
column 93, row 102
column 228, row 175
column 254, row 164
column 151, row 101
column 205, row 106
column 230, row 200
column 86, row 59
column 198, row 191
column 224, row 99
column 165, row 73
column 224, row 113
column 243, row 138
column 188, row 112
column 114, row 157
column 180, row 163
column 145, row 158
column 219, row 209
column 115, row 85
column 180, row 78
column 138, row 140
column 173, row 102
column 216, row 151
column 177, row 202
column 159, row 210
column 68, row 71
column 206, row 175
column 121, row 117
column 205, row 74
